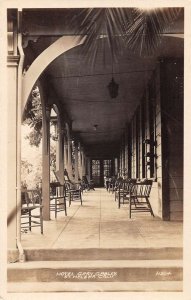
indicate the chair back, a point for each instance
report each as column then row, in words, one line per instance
column 84, row 179
column 127, row 183
column 118, row 183
column 67, row 186
column 59, row 177
column 142, row 189
column 31, row 197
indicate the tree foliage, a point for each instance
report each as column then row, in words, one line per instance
column 33, row 117
column 53, row 157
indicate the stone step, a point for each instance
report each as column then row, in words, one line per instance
column 154, row 253
column 96, row 271
column 151, row 286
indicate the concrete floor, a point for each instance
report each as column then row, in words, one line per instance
column 100, row 224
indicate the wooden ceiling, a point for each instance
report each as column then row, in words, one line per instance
column 83, row 93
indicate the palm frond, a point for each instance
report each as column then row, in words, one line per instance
column 132, row 28
column 107, row 23
column 145, row 32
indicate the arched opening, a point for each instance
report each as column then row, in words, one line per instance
column 31, row 143
column 54, row 151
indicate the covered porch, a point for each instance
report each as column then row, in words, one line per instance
column 121, row 118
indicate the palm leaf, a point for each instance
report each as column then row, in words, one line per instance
column 123, row 28
column 145, row 32
column 104, row 23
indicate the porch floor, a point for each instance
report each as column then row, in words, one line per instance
column 98, row 223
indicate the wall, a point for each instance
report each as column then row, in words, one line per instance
column 155, row 139
column 144, row 159
column 172, row 133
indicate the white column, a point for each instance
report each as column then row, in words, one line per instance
column 69, row 166
column 57, row 155
column 76, row 162
column 83, row 164
column 88, row 168
column 46, row 160
column 11, row 168
column 12, row 164
column 60, row 150
column 65, row 152
column 80, row 161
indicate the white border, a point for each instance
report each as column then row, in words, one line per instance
column 4, row 4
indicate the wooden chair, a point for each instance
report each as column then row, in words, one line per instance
column 86, row 185
column 125, row 191
column 31, row 201
column 118, row 189
column 57, row 198
column 112, row 184
column 139, row 197
column 73, row 192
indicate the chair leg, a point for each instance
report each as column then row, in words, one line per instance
column 65, row 206
column 69, row 195
column 130, row 207
column 149, row 205
column 55, row 211
column 134, row 200
column 29, row 220
column 119, row 201
column 68, row 199
column 41, row 221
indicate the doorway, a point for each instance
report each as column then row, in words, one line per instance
column 101, row 168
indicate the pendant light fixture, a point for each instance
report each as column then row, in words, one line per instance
column 113, row 87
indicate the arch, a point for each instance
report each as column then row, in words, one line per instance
column 60, row 46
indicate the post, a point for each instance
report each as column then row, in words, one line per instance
column 11, row 167
column 88, row 168
column 65, row 151
column 57, row 145
column 69, row 166
column 83, row 163
column 60, row 149
column 13, row 205
column 76, row 162
column 80, row 161
column 46, row 160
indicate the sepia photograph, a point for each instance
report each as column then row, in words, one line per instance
column 93, row 149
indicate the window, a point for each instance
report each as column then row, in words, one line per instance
column 95, row 167
column 107, row 167
column 96, row 171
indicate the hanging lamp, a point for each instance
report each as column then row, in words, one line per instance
column 113, row 87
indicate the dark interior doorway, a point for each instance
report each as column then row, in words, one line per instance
column 101, row 168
